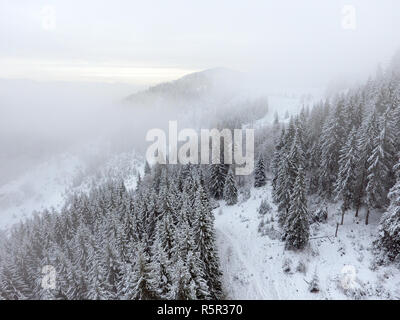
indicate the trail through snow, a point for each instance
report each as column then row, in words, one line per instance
column 252, row 264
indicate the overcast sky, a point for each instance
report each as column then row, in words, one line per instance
column 145, row 42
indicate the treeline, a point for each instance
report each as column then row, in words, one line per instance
column 344, row 149
column 156, row 242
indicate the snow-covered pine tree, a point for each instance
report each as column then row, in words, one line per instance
column 174, row 197
column 284, row 184
column 97, row 288
column 388, row 240
column 230, row 188
column 138, row 182
column 165, row 231
column 287, row 114
column 287, row 175
column 147, row 169
column 346, row 178
column 369, row 130
column 161, row 269
column 127, row 285
column 260, row 178
column 196, row 271
column 313, row 286
column 276, row 163
column 380, row 164
column 184, row 287
column 276, row 123
column 217, row 180
column 297, row 229
column 186, row 250
column 143, row 279
column 190, row 187
column 332, row 138
column 204, row 232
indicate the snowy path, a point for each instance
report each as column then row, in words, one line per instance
column 242, row 253
column 239, row 258
column 252, row 264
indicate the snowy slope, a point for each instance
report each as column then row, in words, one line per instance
column 48, row 184
column 253, row 264
column 42, row 187
column 290, row 103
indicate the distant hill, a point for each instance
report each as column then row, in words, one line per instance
column 216, row 83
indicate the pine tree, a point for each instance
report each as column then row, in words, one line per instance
column 287, row 173
column 380, row 163
column 276, row 163
column 184, row 287
column 296, row 230
column 332, row 138
column 165, row 231
column 388, row 241
column 230, row 188
column 147, row 169
column 283, row 188
column 205, row 242
column 287, row 114
column 369, row 130
column 161, row 267
column 144, row 283
column 314, row 284
column 186, row 251
column 217, row 180
column 127, row 286
column 260, row 178
column 196, row 271
column 346, row 180
column 96, row 278
column 276, row 121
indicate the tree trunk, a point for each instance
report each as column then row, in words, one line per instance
column 367, row 217
column 337, row 228
column 343, row 211
column 360, row 194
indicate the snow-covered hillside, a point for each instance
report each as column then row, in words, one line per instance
column 48, row 185
column 258, row 267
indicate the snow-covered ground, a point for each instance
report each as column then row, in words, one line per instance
column 287, row 103
column 253, row 265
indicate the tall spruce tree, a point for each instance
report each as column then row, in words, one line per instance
column 230, row 188
column 346, row 179
column 379, row 167
column 369, row 130
column 388, row 240
column 205, row 242
column 147, row 169
column 260, row 178
column 296, row 230
column 332, row 138
column 144, row 283
column 217, row 180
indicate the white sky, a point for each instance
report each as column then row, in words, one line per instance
column 144, row 42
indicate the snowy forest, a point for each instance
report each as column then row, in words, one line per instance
column 158, row 240
column 345, row 149
column 199, row 151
